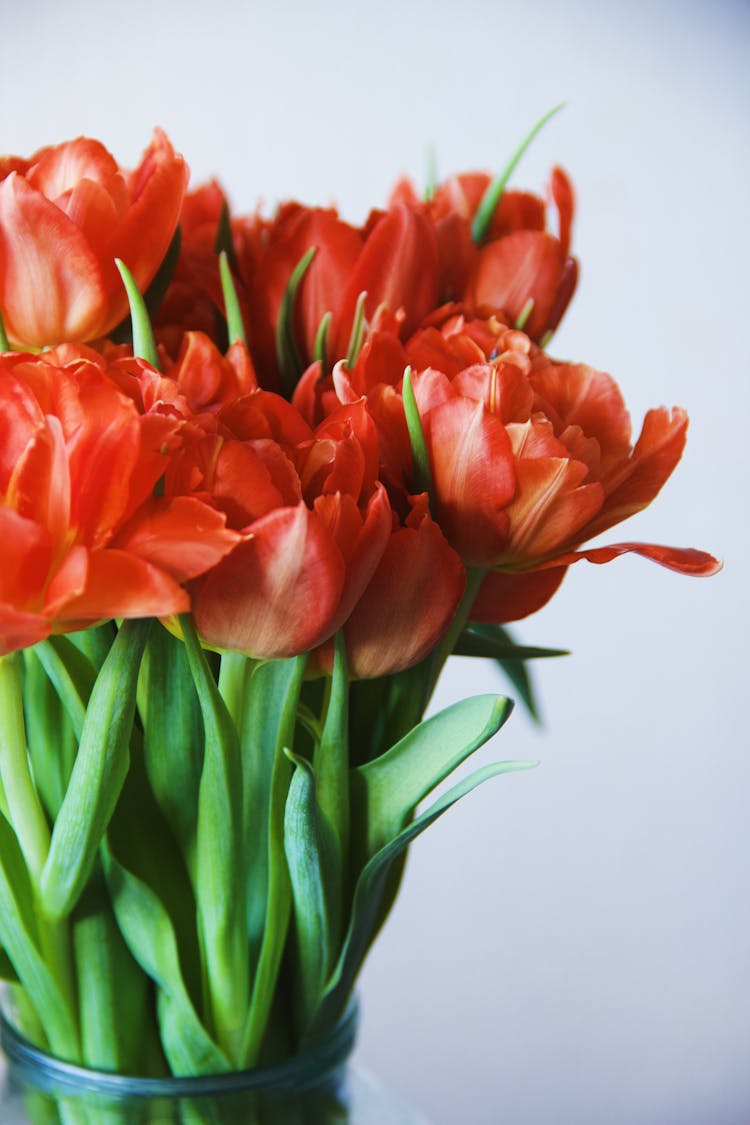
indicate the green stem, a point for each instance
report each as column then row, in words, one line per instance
column 233, row 673
column 474, row 578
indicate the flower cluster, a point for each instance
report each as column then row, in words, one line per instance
column 383, row 437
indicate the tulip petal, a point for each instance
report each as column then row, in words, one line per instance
column 275, row 595
column 51, row 286
column 184, row 536
column 508, row 596
column 684, row 560
column 122, row 585
column 523, row 266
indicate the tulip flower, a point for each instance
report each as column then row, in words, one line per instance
column 66, row 213
column 84, row 539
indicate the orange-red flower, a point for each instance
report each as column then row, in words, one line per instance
column 84, row 539
column 65, row 214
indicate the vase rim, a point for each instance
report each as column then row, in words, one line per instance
column 308, row 1066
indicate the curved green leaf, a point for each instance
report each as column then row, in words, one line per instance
column 98, row 774
column 421, row 471
column 144, row 345
column 369, row 889
column 287, row 353
column 391, row 786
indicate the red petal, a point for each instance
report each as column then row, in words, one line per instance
column 122, row 585
column 276, row 594
column 51, row 285
column 522, row 266
column 685, row 560
column 184, row 536
column 511, row 596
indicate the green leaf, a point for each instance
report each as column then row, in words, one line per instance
column 496, row 642
column 144, row 345
column 268, row 726
column 224, row 241
column 112, row 989
column 320, row 347
column 391, row 786
column 287, row 353
column 98, row 774
column 314, row 862
column 219, row 862
column 172, row 734
column 19, row 936
column 157, row 290
column 432, row 175
column 148, row 931
column 4, row 345
column 72, row 674
column 357, row 334
column 235, row 324
column 492, row 196
column 421, row 472
column 52, row 743
column 331, row 758
column 369, row 889
column 523, row 317
column 7, row 972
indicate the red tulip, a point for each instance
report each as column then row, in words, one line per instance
column 84, row 540
column 65, row 215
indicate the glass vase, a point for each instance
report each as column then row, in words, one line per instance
column 319, row 1086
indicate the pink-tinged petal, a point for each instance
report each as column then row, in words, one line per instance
column 122, row 585
column 633, row 485
column 20, row 420
column 276, row 594
column 515, row 269
column 684, row 560
column 184, row 536
column 473, row 477
column 51, row 286
column 57, row 170
column 509, row 596
column 408, row 605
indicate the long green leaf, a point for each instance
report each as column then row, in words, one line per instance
column 268, row 727
column 391, row 786
column 287, row 353
column 19, row 936
column 172, row 734
column 331, row 757
column 370, row 887
column 148, row 931
column 51, row 740
column 72, row 674
column 314, row 861
column 98, row 774
column 220, row 889
column 499, row 645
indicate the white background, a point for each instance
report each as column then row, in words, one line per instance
column 571, row 945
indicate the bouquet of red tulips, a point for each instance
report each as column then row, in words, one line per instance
column 259, row 478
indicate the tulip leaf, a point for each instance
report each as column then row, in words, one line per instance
column 314, row 862
column 331, row 758
column 219, row 861
column 492, row 196
column 19, row 937
column 320, row 347
column 495, row 642
column 112, row 990
column 149, row 933
column 422, row 474
column 369, row 890
column 172, row 734
column 144, row 345
column 7, row 972
column 523, row 317
column 51, row 740
column 235, row 325
column 391, row 786
column 357, row 333
column 4, row 345
column 157, row 290
column 432, row 175
column 287, row 352
column 72, row 674
column 98, row 773
column 267, row 727
column 224, row 241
